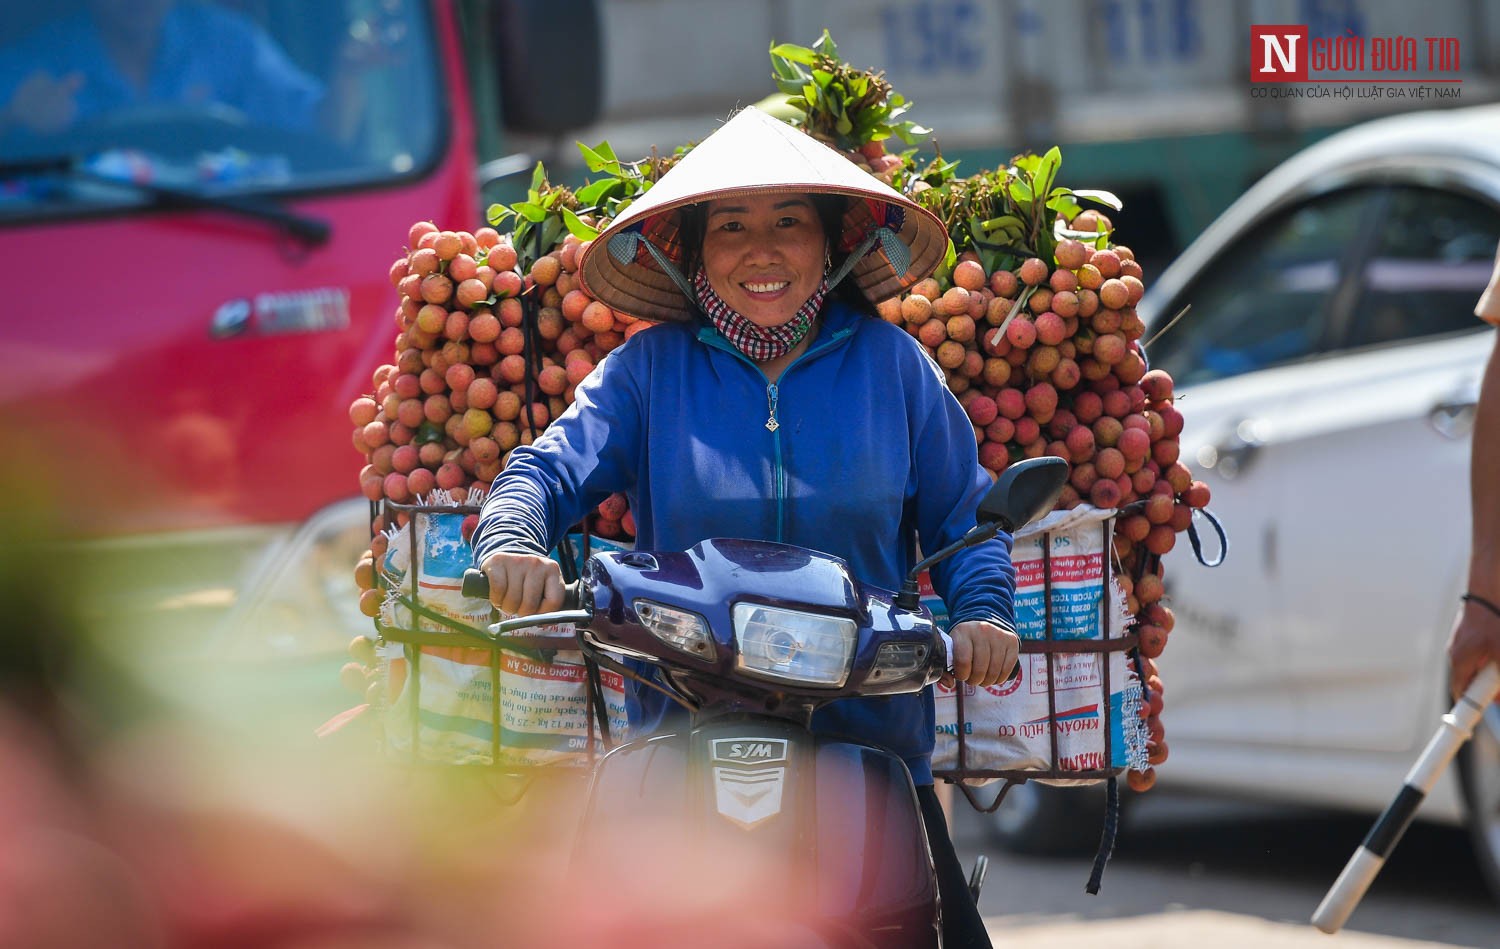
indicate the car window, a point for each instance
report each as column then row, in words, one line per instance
column 1432, row 260
column 102, row 97
column 1265, row 300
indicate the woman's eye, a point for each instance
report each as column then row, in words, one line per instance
column 730, row 226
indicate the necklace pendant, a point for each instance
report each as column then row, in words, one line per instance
column 772, row 425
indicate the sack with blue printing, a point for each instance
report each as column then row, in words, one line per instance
column 1010, row 726
column 539, row 706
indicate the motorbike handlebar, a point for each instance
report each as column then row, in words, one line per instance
column 476, row 584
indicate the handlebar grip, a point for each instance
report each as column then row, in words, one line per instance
column 477, row 585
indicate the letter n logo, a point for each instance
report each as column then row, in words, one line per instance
column 1278, row 54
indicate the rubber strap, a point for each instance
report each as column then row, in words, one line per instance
column 1192, row 533
column 1107, row 839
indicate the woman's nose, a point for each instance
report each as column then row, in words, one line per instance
column 762, row 248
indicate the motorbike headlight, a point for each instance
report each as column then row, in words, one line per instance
column 677, row 628
column 792, row 646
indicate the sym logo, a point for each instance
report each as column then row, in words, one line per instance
column 749, row 750
column 745, row 792
column 1278, row 53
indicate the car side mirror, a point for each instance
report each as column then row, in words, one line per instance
column 1024, row 492
column 538, row 94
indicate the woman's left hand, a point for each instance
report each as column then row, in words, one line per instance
column 983, row 653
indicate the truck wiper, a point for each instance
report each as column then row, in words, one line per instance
column 310, row 230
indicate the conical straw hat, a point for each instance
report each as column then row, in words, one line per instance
column 754, row 153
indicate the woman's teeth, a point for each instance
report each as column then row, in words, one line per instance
column 767, row 287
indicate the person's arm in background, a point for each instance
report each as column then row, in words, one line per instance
column 1476, row 635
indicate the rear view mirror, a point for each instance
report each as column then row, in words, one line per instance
column 1024, row 492
column 541, row 92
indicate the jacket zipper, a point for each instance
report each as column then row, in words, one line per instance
column 773, row 425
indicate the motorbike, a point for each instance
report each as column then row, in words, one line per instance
column 751, row 638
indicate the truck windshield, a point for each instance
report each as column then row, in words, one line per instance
column 212, row 96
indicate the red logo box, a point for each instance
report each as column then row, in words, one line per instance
column 1278, row 53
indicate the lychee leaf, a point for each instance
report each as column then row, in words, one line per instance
column 908, row 135
column 1065, row 205
column 795, row 53
column 595, row 191
column 538, row 178
column 1027, row 163
column 577, row 228
column 1106, row 198
column 600, row 158
column 1046, row 172
column 1046, row 246
column 826, row 46
column 785, row 69
column 534, row 213
column 496, row 213
column 822, row 78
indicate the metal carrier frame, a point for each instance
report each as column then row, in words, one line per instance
column 538, row 648
column 1051, row 646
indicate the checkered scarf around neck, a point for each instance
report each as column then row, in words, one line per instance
column 760, row 343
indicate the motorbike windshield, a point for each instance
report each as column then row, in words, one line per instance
column 230, row 98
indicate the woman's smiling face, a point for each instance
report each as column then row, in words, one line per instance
column 763, row 254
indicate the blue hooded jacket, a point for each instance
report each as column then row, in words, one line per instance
column 869, row 444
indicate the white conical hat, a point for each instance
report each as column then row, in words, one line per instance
column 897, row 242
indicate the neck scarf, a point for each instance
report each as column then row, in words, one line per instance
column 760, row 343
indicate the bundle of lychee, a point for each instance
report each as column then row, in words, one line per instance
column 484, row 358
column 1046, row 360
column 1033, row 321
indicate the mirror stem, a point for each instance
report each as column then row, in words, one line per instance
column 909, row 598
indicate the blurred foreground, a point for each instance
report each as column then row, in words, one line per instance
column 147, row 800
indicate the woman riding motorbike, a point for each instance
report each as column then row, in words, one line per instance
column 772, row 403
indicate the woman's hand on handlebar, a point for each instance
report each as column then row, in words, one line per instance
column 524, row 584
column 983, row 653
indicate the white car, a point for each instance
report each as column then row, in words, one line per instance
column 1327, row 371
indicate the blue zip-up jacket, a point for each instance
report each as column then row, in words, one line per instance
column 867, row 444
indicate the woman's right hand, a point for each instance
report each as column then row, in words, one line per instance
column 523, row 584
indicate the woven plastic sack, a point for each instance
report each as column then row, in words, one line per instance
column 1010, row 727
column 536, row 704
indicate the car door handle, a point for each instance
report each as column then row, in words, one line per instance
column 1452, row 418
column 1231, row 455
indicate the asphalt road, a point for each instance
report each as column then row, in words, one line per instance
column 1190, row 872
